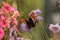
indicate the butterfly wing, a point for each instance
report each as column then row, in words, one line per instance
column 32, row 16
column 31, row 22
column 24, row 25
column 23, row 20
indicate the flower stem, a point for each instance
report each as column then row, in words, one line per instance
column 44, row 30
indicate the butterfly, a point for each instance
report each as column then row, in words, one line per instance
column 30, row 23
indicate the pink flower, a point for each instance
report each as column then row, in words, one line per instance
column 14, row 21
column 4, row 4
column 6, row 11
column 16, row 13
column 7, row 16
column 8, row 24
column 16, row 29
column 54, row 28
column 8, row 7
column 1, row 33
column 3, row 23
column 12, row 10
column 0, row 12
column 2, row 17
column 5, row 7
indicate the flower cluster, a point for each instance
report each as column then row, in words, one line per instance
column 8, row 19
column 8, row 15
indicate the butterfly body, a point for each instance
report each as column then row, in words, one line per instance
column 30, row 23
